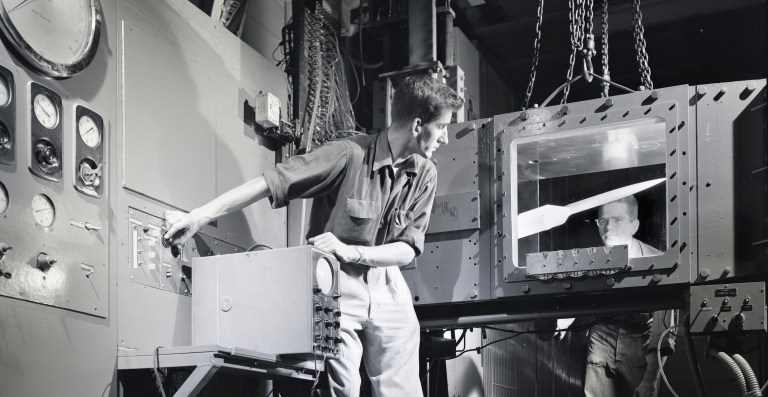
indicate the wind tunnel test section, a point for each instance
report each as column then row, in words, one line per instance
column 693, row 157
column 561, row 165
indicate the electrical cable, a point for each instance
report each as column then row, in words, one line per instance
column 317, row 376
column 477, row 349
column 661, row 363
column 158, row 377
column 360, row 33
column 735, row 370
column 258, row 245
column 749, row 374
column 461, row 338
column 431, row 363
column 693, row 362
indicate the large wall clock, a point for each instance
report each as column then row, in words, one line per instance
column 58, row 38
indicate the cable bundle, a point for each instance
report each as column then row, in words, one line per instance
column 328, row 114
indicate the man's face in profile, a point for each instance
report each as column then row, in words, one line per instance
column 615, row 224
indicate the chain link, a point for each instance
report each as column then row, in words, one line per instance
column 642, row 55
column 536, row 48
column 569, row 76
column 604, row 38
column 582, row 40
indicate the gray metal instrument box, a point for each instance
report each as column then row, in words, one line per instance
column 280, row 301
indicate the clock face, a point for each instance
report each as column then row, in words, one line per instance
column 59, row 38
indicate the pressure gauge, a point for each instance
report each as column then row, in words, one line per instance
column 46, row 111
column 5, row 92
column 58, row 38
column 42, row 210
column 89, row 130
column 3, row 198
column 324, row 275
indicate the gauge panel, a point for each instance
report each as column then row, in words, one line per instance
column 57, row 38
column 89, row 169
column 46, row 130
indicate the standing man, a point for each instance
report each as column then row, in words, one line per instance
column 372, row 201
column 622, row 350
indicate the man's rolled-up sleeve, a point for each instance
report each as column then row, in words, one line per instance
column 309, row 175
column 413, row 234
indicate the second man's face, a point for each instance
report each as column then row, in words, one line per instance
column 618, row 226
column 434, row 134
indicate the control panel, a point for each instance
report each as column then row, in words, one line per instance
column 326, row 305
column 153, row 261
column 728, row 307
column 53, row 240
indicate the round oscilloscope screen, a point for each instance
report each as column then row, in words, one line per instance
column 324, row 275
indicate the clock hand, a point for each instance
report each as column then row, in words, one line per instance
column 19, row 5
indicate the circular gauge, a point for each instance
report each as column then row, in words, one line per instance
column 324, row 275
column 89, row 131
column 58, row 38
column 46, row 111
column 5, row 92
column 3, row 198
column 42, row 210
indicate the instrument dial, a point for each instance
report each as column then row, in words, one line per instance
column 43, row 210
column 4, row 200
column 46, row 111
column 324, row 275
column 89, row 131
column 5, row 92
column 58, row 38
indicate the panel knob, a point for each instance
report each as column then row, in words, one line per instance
column 44, row 262
column 4, row 248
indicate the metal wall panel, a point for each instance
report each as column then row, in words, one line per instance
column 105, row 310
column 76, row 321
column 233, row 75
column 731, row 145
column 453, row 266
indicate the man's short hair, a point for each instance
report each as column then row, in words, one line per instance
column 631, row 203
column 423, row 97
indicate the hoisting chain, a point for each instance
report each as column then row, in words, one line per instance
column 642, row 55
column 604, row 38
column 582, row 39
column 536, row 48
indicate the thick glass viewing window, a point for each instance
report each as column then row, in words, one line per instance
column 573, row 172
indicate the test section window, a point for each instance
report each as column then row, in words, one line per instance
column 591, row 188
